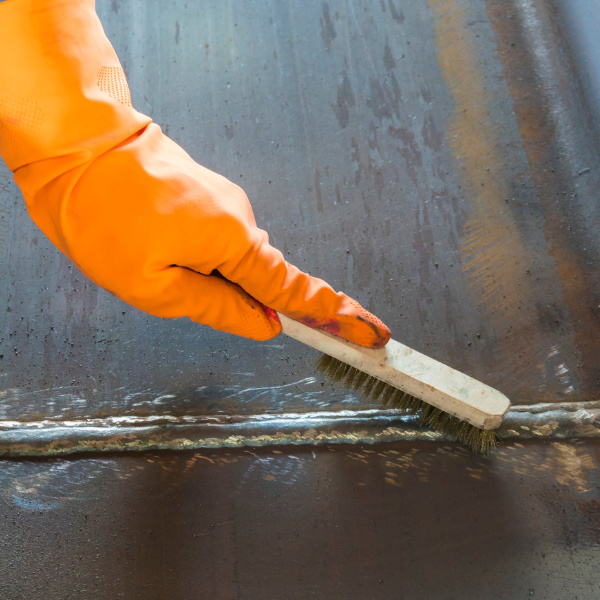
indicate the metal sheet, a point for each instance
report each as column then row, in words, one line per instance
column 434, row 160
column 419, row 521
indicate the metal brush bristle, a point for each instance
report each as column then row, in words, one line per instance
column 479, row 440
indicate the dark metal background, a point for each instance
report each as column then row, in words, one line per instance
column 431, row 159
column 403, row 521
column 438, row 161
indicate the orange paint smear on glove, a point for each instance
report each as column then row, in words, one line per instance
column 130, row 207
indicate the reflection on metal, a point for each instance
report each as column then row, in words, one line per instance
column 492, row 242
column 48, row 438
column 560, row 145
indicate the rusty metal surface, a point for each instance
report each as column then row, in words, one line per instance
column 436, row 160
column 433, row 159
column 410, row 520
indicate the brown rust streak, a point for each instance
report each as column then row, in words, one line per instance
column 494, row 254
column 537, row 116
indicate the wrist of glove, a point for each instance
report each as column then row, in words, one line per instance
column 130, row 207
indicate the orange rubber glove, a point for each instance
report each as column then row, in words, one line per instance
column 126, row 204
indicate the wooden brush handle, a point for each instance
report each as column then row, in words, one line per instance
column 413, row 372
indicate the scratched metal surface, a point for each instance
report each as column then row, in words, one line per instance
column 432, row 159
column 415, row 521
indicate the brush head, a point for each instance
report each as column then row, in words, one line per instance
column 479, row 440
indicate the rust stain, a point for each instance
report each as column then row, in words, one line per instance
column 547, row 134
column 495, row 256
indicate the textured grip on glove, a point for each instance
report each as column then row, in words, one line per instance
column 112, row 81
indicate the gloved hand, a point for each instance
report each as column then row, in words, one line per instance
column 126, row 204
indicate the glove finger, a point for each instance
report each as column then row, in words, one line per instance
column 209, row 300
column 264, row 273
